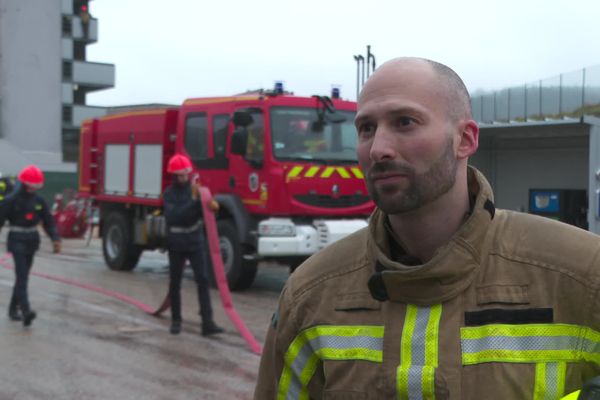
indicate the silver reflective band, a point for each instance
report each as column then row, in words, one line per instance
column 185, row 229
column 23, row 229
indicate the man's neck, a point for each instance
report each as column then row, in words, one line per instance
column 428, row 228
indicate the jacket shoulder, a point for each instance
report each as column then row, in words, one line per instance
column 347, row 256
column 548, row 243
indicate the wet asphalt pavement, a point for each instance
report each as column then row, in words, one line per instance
column 85, row 345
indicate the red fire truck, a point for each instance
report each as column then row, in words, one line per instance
column 282, row 167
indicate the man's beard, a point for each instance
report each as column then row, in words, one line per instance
column 421, row 189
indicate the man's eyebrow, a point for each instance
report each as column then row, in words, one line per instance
column 393, row 112
column 360, row 118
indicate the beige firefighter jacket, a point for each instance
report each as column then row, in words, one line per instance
column 508, row 309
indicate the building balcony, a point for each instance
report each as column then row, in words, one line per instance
column 67, row 6
column 77, row 32
column 74, row 115
column 91, row 76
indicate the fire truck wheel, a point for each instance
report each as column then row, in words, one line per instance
column 240, row 273
column 119, row 251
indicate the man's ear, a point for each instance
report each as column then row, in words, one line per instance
column 468, row 138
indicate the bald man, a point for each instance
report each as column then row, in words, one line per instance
column 442, row 296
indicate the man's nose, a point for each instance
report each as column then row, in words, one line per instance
column 382, row 147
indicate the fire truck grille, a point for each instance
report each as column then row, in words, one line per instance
column 322, row 235
column 332, row 202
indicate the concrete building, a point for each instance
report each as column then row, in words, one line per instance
column 539, row 146
column 44, row 79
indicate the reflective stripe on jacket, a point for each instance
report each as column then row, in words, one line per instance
column 508, row 309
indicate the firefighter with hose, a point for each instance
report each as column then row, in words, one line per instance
column 186, row 241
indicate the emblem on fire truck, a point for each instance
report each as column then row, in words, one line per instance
column 253, row 181
column 335, row 191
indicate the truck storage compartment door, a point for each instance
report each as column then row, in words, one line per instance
column 116, row 167
column 148, row 170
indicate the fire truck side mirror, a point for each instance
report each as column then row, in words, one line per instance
column 239, row 141
column 335, row 117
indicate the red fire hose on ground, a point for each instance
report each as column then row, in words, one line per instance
column 219, row 273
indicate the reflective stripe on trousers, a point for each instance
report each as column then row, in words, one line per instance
column 549, row 346
column 418, row 353
column 326, row 342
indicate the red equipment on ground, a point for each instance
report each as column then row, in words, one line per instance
column 71, row 214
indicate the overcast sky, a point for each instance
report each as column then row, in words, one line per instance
column 166, row 51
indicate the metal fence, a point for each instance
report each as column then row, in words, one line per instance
column 569, row 95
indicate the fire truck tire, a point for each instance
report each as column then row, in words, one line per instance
column 120, row 253
column 240, row 273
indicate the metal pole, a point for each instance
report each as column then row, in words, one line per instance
column 368, row 58
column 560, row 96
column 525, row 104
column 357, row 58
column 362, row 61
column 583, row 93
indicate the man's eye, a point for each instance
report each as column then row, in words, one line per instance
column 366, row 128
column 405, row 121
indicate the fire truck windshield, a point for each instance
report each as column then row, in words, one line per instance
column 298, row 134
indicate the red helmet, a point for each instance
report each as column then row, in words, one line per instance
column 179, row 164
column 32, row 176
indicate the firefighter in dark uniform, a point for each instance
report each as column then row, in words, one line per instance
column 186, row 241
column 24, row 210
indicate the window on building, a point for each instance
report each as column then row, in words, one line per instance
column 67, row 70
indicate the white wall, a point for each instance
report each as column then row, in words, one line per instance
column 30, row 74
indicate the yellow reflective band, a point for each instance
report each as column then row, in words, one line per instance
column 407, row 334
column 2, row 185
column 572, row 396
column 38, row 207
column 418, row 353
column 312, row 171
column 410, row 321
column 433, row 330
column 479, row 332
column 1, row 197
column 295, row 171
column 343, row 173
column 327, row 172
column 561, row 377
column 326, row 342
column 357, row 172
column 254, row 202
column 530, row 343
column 428, row 382
column 539, row 388
column 549, row 381
column 431, row 350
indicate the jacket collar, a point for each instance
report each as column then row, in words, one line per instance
column 451, row 270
